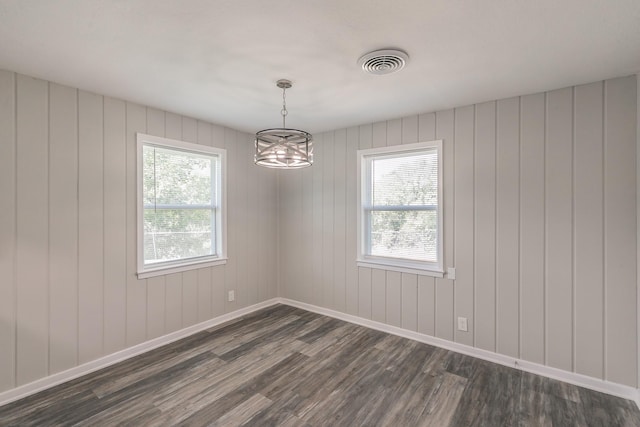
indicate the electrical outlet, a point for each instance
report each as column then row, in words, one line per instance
column 451, row 273
column 231, row 296
column 462, row 324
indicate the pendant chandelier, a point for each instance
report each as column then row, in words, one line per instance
column 283, row 148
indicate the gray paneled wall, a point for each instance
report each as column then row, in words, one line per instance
column 68, row 289
column 540, row 223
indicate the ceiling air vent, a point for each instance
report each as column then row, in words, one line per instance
column 384, row 61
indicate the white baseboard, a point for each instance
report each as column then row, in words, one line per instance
column 97, row 364
column 608, row 387
column 614, row 389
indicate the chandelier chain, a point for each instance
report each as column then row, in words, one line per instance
column 284, row 111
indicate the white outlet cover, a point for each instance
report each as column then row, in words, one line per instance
column 462, row 324
column 451, row 273
column 231, row 296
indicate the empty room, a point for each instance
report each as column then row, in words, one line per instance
column 319, row 213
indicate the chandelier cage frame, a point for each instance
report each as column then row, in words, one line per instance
column 283, row 148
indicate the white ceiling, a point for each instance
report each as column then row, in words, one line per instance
column 218, row 60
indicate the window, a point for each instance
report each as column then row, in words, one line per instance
column 399, row 204
column 181, row 206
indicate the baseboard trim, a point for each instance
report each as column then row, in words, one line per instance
column 113, row 358
column 614, row 389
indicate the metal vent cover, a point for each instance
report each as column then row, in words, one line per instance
column 385, row 61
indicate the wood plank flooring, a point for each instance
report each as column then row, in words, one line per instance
column 283, row 366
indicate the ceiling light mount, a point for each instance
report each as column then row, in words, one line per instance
column 283, row 148
column 385, row 61
column 284, row 84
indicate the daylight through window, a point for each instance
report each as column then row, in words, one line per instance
column 400, row 215
column 180, row 204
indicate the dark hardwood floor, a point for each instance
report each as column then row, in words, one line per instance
column 288, row 367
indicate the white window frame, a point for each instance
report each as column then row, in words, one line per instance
column 363, row 191
column 221, row 212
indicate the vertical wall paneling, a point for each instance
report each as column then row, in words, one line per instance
column 173, row 282
column 588, row 228
column 394, row 298
column 410, row 130
column 190, row 130
column 427, row 285
column 266, row 246
column 7, row 230
column 638, row 225
column 172, row 126
column 90, row 226
column 63, row 228
column 115, row 225
column 351, row 273
column 364, row 299
column 263, row 223
column 444, row 296
column 510, row 227
column 69, row 291
column 217, row 134
column 173, row 302
column 306, row 283
column 485, row 226
column 295, row 245
column 507, row 226
column 213, row 135
column 202, row 137
column 156, row 286
column 559, row 229
column 217, row 291
column 620, row 242
column 426, row 127
column 233, row 199
column 561, row 196
column 328, row 179
column 409, row 301
column 218, row 273
column 316, row 219
column 32, row 230
column 204, row 294
column 532, row 146
column 136, row 121
column 394, row 132
column 365, row 141
column 426, row 305
column 287, row 234
column 379, row 134
column 190, row 298
column 253, row 235
column 241, row 165
column 378, row 295
column 339, row 220
column 271, row 236
column 463, row 218
column 394, row 284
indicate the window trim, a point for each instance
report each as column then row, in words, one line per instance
column 221, row 213
column 364, row 179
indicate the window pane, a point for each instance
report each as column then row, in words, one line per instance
column 405, row 180
column 177, row 177
column 171, row 234
column 405, row 234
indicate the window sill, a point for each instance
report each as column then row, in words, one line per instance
column 402, row 269
column 161, row 271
